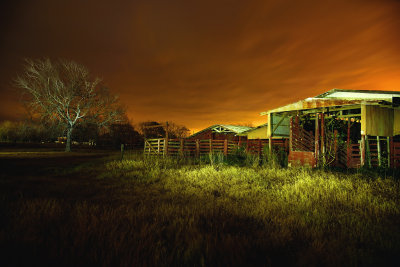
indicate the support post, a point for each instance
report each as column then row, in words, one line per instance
column 211, row 145
column 335, row 147
column 378, row 146
column 291, row 135
column 240, row 142
column 317, row 138
column 392, row 153
column 323, row 134
column 367, row 151
column 362, row 151
column 158, row 145
column 323, row 138
column 270, row 145
column 348, row 158
column 389, row 155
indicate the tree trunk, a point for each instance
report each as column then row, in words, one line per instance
column 68, row 145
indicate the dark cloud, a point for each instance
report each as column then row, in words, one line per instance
column 204, row 62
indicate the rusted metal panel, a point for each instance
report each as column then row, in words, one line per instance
column 301, row 158
column 376, row 121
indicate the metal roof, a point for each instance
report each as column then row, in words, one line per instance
column 225, row 128
column 338, row 97
column 359, row 94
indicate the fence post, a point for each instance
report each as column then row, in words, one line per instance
column 181, row 146
column 197, row 148
column 335, row 145
column 166, row 146
column 226, row 147
column 122, row 152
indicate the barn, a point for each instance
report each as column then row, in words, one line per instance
column 343, row 128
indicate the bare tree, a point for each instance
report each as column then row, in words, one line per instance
column 64, row 92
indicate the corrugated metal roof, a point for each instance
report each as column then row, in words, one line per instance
column 338, row 97
column 359, row 94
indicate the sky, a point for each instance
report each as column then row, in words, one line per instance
column 199, row 63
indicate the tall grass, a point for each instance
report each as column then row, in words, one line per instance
column 177, row 211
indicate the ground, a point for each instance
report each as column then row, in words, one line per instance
column 87, row 208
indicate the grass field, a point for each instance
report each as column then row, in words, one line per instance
column 84, row 209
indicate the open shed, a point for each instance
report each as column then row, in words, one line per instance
column 221, row 132
column 346, row 128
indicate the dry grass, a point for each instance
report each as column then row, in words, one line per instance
column 163, row 211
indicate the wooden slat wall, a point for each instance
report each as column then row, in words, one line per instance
column 202, row 147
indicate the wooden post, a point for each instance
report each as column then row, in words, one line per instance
column 348, row 143
column 270, row 145
column 197, row 147
column 335, row 147
column 316, row 138
column 392, row 153
column 362, row 150
column 240, row 141
column 158, row 145
column 181, row 146
column 323, row 134
column 122, row 152
column 226, row 147
column 378, row 146
column 291, row 134
column 211, row 146
column 166, row 146
column 367, row 151
column 271, row 132
column 389, row 155
column 259, row 147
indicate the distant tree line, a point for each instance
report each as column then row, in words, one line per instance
column 113, row 136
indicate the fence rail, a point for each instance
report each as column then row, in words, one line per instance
column 198, row 147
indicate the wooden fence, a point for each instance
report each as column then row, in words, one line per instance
column 187, row 147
